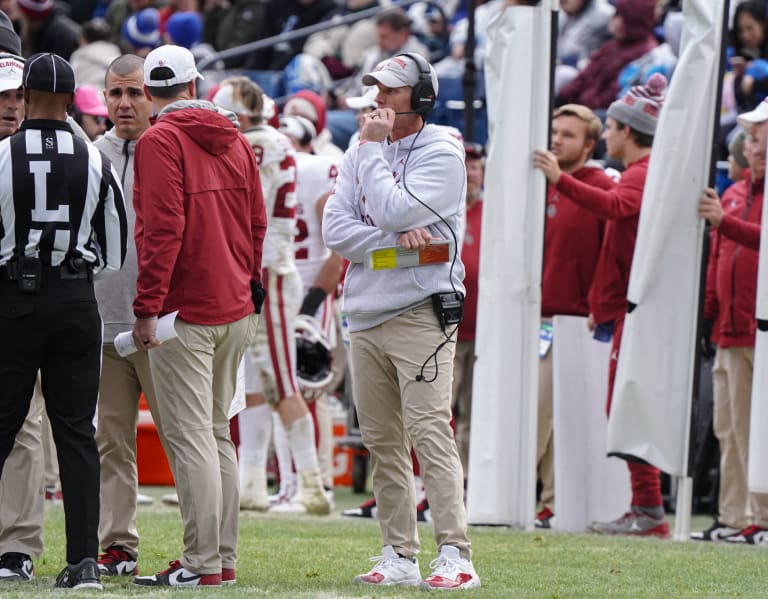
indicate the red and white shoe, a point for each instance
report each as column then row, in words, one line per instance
column 228, row 576
column 178, row 576
column 451, row 571
column 116, row 561
column 391, row 569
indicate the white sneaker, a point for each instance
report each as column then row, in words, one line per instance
column 142, row 499
column 170, row 499
column 451, row 571
column 253, row 488
column 391, row 569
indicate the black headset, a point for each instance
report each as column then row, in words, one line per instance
column 423, row 96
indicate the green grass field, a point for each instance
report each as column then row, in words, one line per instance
column 302, row 556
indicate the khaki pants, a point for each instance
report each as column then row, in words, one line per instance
column 122, row 381
column 732, row 379
column 463, row 368
column 22, row 505
column 397, row 412
column 50, row 459
column 195, row 376
column 545, row 455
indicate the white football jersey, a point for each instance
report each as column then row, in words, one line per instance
column 315, row 177
column 277, row 168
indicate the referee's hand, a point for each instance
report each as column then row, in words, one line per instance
column 144, row 330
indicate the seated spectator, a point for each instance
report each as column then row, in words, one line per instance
column 176, row 6
column 90, row 111
column 749, row 42
column 141, row 32
column 230, row 24
column 48, row 29
column 341, row 48
column 393, row 36
column 582, row 29
column 453, row 65
column 631, row 29
column 118, row 12
column 185, row 29
column 91, row 60
column 290, row 15
column 307, row 72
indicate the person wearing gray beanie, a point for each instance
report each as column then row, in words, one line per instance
column 9, row 39
column 639, row 108
column 629, row 132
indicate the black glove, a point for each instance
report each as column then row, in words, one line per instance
column 707, row 349
column 258, row 293
column 315, row 296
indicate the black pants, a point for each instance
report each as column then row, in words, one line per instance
column 56, row 331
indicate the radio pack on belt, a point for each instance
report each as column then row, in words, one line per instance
column 28, row 272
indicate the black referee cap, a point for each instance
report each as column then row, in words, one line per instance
column 48, row 72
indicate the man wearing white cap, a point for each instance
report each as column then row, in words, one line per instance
column 200, row 225
column 404, row 186
column 729, row 308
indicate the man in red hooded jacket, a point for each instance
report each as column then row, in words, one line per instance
column 200, row 225
column 730, row 303
column 572, row 240
column 630, row 128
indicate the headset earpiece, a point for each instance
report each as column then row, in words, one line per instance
column 423, row 96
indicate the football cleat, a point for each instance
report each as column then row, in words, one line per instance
column 717, row 532
column 391, row 569
column 451, row 571
column 178, row 576
column 544, row 518
column 116, row 561
column 633, row 523
column 83, row 575
column 16, row 566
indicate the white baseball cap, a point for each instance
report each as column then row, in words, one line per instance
column 758, row 115
column 11, row 71
column 179, row 60
column 400, row 71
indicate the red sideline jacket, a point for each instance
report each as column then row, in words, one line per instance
column 620, row 207
column 572, row 240
column 200, row 219
column 732, row 268
column 470, row 257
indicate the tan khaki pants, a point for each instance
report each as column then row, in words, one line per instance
column 195, row 377
column 545, row 455
column 22, row 505
column 122, row 381
column 397, row 412
column 463, row 368
column 732, row 379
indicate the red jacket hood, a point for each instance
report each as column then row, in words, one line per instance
column 210, row 130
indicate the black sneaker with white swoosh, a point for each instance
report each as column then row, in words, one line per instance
column 178, row 576
column 82, row 575
column 751, row 535
column 16, row 566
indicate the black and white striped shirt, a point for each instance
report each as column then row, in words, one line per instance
column 59, row 198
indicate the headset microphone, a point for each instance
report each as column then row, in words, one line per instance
column 409, row 112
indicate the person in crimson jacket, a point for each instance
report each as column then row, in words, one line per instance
column 632, row 29
column 630, row 127
column 730, row 302
column 572, row 240
column 464, row 359
column 200, row 225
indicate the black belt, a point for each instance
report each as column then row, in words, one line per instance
column 9, row 272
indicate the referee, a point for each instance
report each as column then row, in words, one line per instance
column 62, row 220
